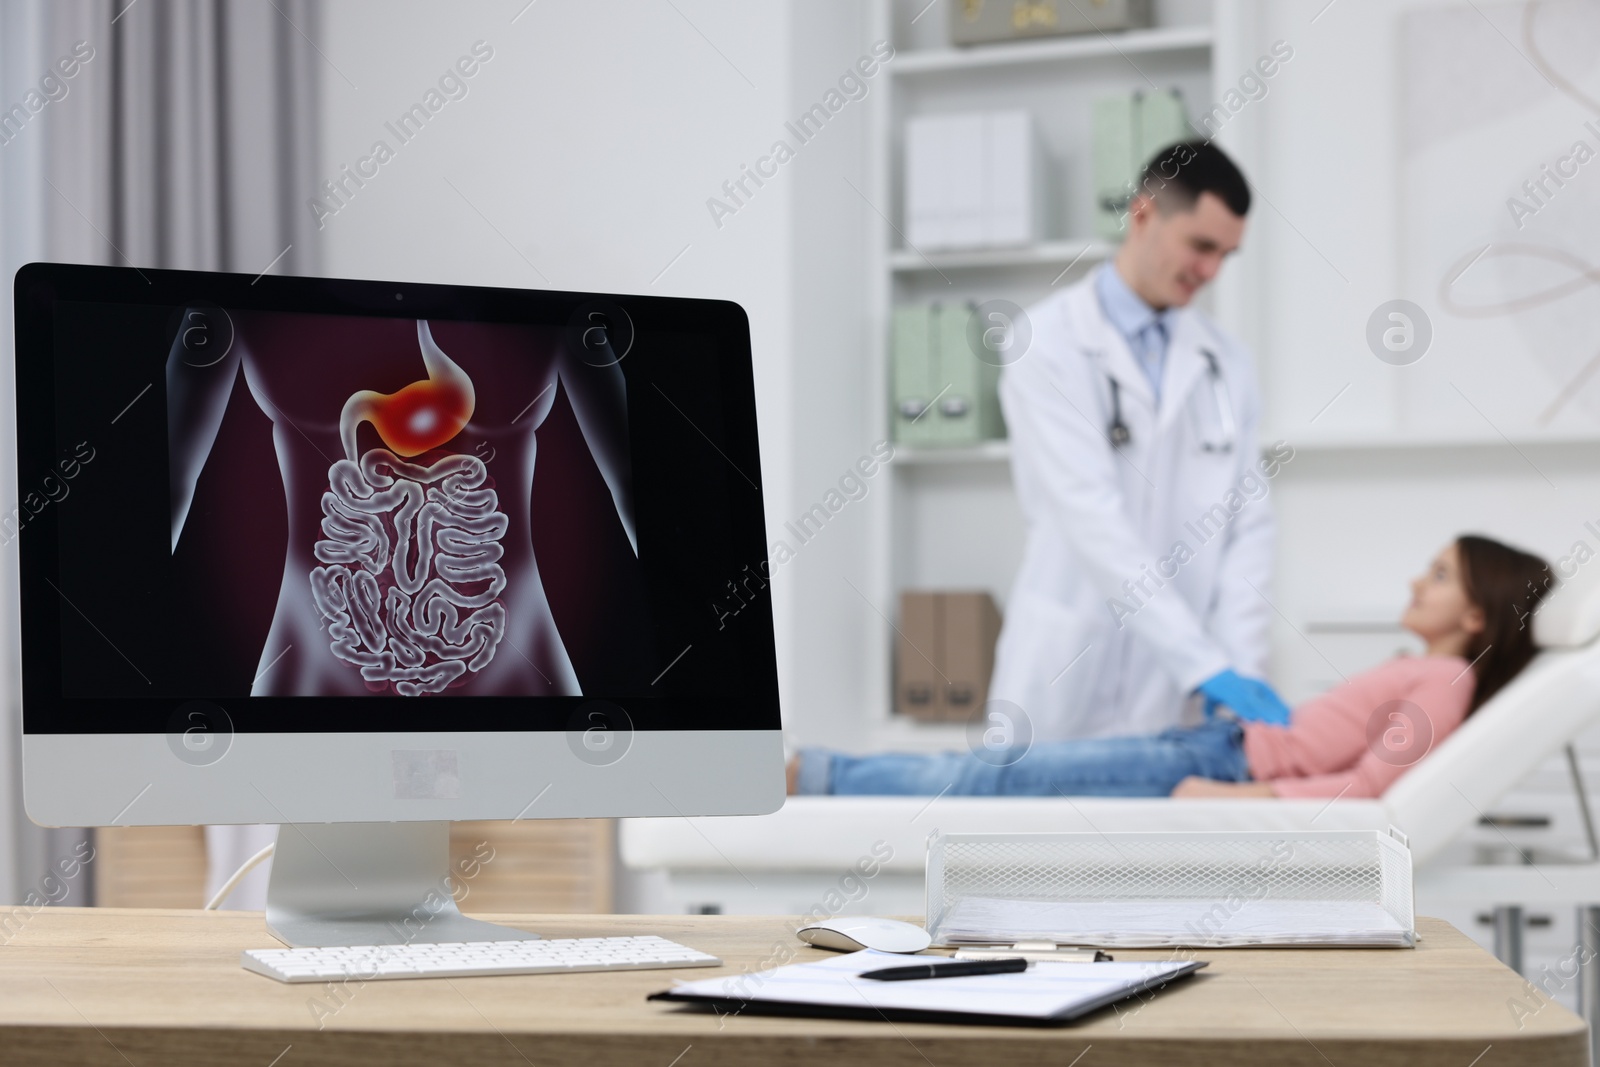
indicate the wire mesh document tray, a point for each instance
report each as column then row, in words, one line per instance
column 1204, row 888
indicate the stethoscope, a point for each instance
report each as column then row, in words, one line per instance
column 1119, row 434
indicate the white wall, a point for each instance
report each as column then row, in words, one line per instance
column 831, row 378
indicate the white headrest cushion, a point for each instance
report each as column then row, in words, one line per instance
column 1569, row 615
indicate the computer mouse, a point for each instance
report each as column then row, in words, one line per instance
column 852, row 933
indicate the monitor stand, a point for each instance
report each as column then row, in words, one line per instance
column 384, row 883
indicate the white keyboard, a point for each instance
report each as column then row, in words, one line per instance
column 463, row 959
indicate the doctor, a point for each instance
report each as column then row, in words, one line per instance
column 1133, row 424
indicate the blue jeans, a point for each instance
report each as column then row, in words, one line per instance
column 1101, row 766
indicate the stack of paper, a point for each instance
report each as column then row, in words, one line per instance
column 1155, row 923
column 1046, row 991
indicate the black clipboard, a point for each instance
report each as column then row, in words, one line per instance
column 756, row 1005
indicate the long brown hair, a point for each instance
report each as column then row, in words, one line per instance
column 1506, row 584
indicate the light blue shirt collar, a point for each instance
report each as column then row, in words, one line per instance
column 1128, row 312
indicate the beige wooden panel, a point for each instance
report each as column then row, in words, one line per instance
column 150, row 867
column 551, row 866
column 554, row 866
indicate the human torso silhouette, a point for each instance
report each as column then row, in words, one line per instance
column 404, row 573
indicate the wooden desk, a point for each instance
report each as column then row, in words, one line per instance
column 118, row 987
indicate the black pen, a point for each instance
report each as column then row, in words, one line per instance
column 954, row 969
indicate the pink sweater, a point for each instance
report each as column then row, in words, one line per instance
column 1358, row 738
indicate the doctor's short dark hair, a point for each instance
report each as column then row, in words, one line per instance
column 1177, row 175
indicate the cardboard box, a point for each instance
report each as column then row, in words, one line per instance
column 985, row 21
column 945, row 655
column 917, row 680
column 971, row 628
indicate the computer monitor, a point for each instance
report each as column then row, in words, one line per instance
column 363, row 558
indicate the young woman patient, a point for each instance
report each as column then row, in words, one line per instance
column 1470, row 609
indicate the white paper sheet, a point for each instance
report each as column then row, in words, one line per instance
column 1043, row 991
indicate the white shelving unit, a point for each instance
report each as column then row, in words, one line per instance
column 987, row 452
column 1054, row 50
column 950, row 518
column 1415, row 442
column 1046, row 253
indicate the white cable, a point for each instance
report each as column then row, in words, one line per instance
column 238, row 876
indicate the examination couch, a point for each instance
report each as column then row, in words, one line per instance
column 866, row 853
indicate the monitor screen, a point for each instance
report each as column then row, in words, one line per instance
column 333, row 506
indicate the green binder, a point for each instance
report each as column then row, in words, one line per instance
column 942, row 393
column 1128, row 130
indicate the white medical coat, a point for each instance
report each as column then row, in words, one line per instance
column 1081, row 653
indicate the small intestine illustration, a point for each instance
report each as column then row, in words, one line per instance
column 410, row 583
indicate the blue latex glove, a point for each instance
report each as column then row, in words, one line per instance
column 1250, row 698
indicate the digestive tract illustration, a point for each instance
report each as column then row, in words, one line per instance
column 409, row 568
column 411, row 583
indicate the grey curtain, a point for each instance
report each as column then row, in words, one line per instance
column 197, row 140
column 186, row 137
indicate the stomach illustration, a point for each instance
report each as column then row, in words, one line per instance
column 410, row 579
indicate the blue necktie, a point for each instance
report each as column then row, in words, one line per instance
column 1150, row 350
